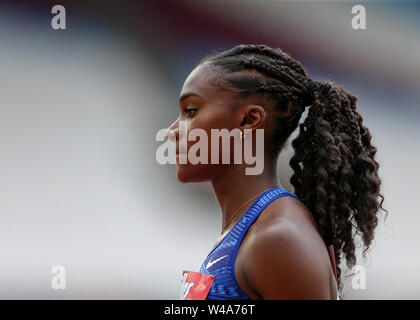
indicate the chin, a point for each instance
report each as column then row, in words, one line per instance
column 187, row 174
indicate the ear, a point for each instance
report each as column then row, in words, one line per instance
column 253, row 116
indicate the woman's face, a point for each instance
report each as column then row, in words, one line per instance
column 204, row 106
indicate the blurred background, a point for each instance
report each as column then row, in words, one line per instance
column 79, row 113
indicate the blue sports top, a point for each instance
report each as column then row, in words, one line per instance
column 220, row 262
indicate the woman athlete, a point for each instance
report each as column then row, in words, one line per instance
column 276, row 244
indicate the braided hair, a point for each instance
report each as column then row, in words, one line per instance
column 335, row 171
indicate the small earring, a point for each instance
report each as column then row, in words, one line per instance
column 241, row 136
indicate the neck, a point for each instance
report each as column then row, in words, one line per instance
column 234, row 189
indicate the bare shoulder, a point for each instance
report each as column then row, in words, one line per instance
column 286, row 256
column 286, row 209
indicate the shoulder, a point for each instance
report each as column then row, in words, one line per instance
column 286, row 254
column 287, row 214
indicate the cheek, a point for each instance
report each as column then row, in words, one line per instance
column 200, row 172
column 212, row 118
column 213, row 121
column 207, row 120
column 217, row 119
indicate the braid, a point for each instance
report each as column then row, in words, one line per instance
column 281, row 78
column 335, row 171
column 282, row 73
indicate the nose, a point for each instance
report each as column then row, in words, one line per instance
column 173, row 131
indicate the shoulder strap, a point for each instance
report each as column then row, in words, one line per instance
column 332, row 257
column 240, row 229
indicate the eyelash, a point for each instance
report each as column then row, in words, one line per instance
column 188, row 110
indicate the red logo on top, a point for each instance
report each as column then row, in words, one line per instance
column 195, row 285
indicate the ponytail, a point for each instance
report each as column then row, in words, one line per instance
column 335, row 171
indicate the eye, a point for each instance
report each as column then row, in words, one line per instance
column 190, row 111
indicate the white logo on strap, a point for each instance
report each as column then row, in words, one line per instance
column 210, row 263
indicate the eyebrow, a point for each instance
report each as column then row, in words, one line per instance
column 187, row 95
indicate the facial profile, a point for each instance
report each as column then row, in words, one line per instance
column 208, row 112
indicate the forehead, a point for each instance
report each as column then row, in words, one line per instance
column 201, row 81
